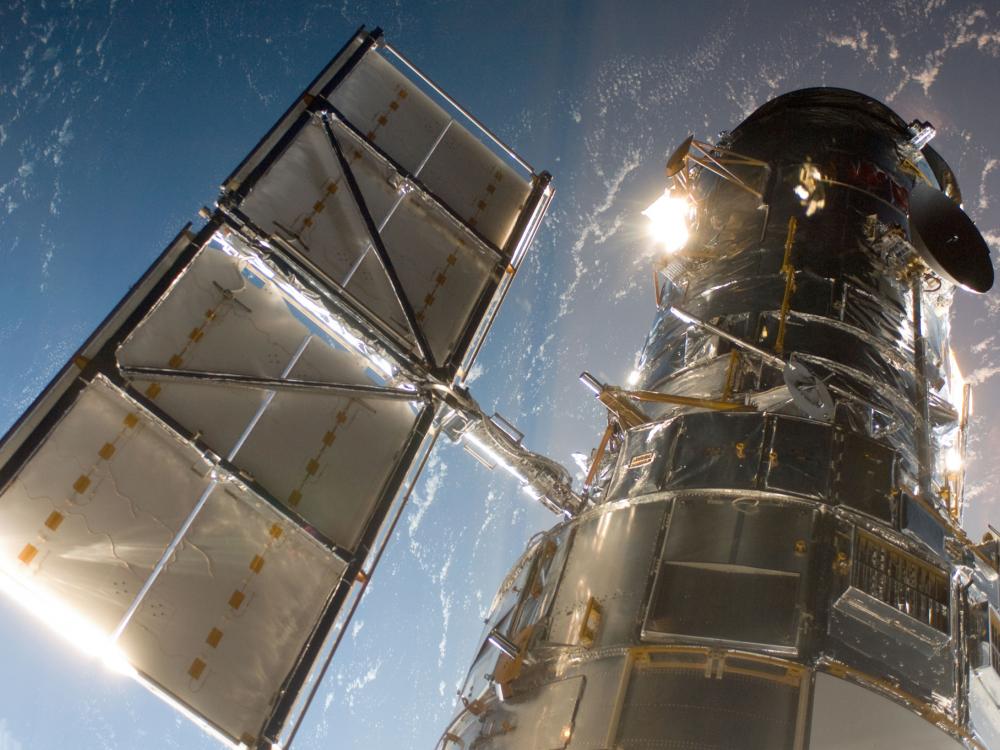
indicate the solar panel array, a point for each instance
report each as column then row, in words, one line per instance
column 196, row 496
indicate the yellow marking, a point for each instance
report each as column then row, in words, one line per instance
column 591, row 623
column 257, row 564
column 382, row 120
column 341, row 417
column 210, row 314
column 318, row 206
column 80, row 361
column 357, row 154
column 28, row 553
column 294, row 498
column 54, row 520
column 741, row 450
column 81, row 484
column 441, row 278
column 499, row 175
column 312, row 467
column 393, row 106
column 452, row 259
column 472, row 222
column 131, row 420
column 248, row 739
column 329, row 437
column 154, row 390
column 429, row 300
column 482, row 205
column 370, row 135
column 643, row 459
column 197, row 668
column 214, row 637
column 402, row 94
column 196, row 334
column 236, row 599
column 307, row 222
column 331, row 188
column 276, row 531
column 491, row 188
column 176, row 361
column 107, row 451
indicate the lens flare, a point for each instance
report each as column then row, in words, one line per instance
column 669, row 218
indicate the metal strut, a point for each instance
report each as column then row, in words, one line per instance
column 376, row 239
column 277, row 384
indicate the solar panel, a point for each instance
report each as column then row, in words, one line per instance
column 199, row 495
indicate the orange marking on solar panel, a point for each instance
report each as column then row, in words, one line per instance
column 237, row 599
column 197, row 668
column 107, row 451
column 28, row 553
column 214, row 637
column 257, row 564
column 81, row 484
column 54, row 520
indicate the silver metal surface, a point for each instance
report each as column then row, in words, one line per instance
column 790, row 575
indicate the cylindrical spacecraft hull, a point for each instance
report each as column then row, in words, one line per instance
column 790, row 572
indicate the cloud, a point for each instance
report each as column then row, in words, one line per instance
column 7, row 739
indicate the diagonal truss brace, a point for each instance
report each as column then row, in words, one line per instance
column 380, row 250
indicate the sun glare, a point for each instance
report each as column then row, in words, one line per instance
column 669, row 217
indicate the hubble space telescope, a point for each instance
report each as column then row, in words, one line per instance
column 767, row 552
